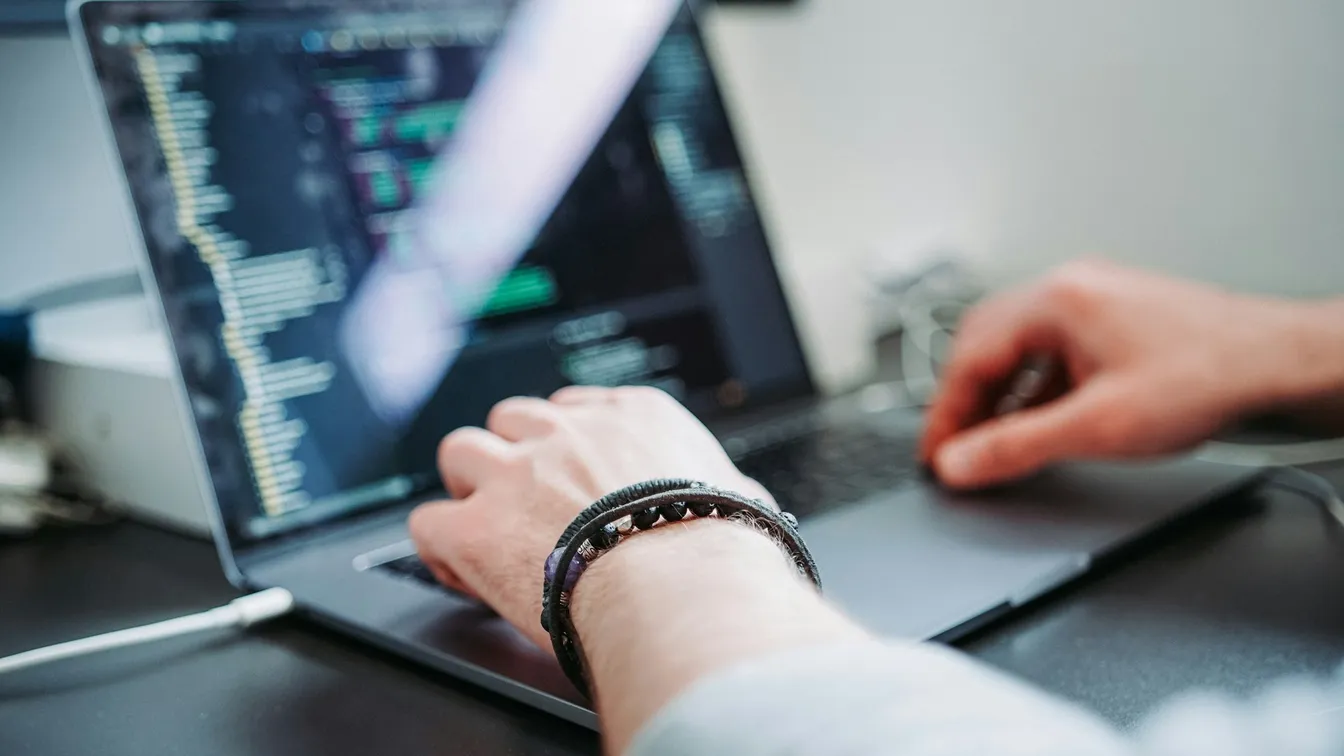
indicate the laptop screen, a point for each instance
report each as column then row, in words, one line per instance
column 368, row 222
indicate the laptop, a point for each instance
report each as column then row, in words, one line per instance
column 367, row 222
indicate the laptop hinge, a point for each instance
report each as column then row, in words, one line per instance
column 265, row 552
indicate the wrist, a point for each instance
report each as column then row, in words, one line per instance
column 1303, row 357
column 679, row 567
column 677, row 603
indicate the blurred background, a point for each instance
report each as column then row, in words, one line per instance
column 1199, row 137
column 1204, row 137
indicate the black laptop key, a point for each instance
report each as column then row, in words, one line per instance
column 411, row 567
column 830, row 467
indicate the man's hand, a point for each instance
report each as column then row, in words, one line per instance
column 1150, row 365
column 664, row 608
column 520, row 481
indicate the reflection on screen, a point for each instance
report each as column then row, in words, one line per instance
column 367, row 229
column 553, row 83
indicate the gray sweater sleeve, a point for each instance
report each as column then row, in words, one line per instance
column 923, row 700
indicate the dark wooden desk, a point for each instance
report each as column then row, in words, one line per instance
column 1233, row 602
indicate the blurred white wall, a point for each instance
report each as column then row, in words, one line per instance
column 1204, row 137
column 61, row 219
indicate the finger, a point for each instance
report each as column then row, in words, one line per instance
column 579, row 395
column 467, row 456
column 1080, row 425
column 450, row 580
column 427, row 524
column 523, row 418
column 994, row 340
column 975, row 354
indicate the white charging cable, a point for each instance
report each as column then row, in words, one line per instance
column 241, row 612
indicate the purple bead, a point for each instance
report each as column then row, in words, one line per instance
column 572, row 574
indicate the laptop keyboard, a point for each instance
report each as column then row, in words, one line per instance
column 411, row 567
column 817, row 470
column 830, row 466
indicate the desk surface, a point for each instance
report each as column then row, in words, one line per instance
column 1231, row 602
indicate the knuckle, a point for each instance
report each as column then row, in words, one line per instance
column 421, row 524
column 554, row 423
column 497, row 412
column 538, row 412
column 505, row 408
column 455, row 439
column 581, row 391
column 458, row 441
column 642, row 395
column 974, row 319
column 1071, row 291
column 518, row 466
column 995, row 454
column 969, row 343
column 567, row 391
column 550, row 421
column 1086, row 267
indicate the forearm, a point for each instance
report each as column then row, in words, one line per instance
column 674, row 605
column 875, row 698
column 1301, row 365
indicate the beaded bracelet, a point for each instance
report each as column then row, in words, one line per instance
column 644, row 506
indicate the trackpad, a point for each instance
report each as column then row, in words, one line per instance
column 920, row 560
column 906, row 569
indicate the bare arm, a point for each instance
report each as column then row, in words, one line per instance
column 663, row 609
column 733, row 598
column 685, row 605
column 1312, row 394
column 700, row 638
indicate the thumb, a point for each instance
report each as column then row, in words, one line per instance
column 1077, row 425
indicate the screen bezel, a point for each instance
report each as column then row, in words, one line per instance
column 85, row 16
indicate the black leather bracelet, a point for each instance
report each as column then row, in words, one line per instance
column 644, row 506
